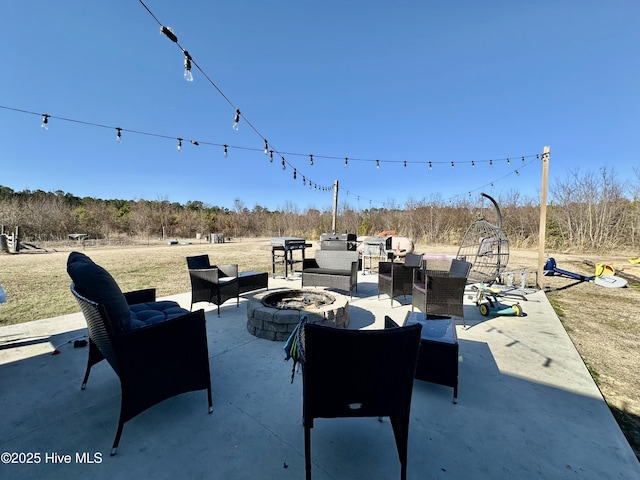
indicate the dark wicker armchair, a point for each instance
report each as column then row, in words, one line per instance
column 396, row 279
column 157, row 349
column 346, row 375
column 441, row 292
column 212, row 283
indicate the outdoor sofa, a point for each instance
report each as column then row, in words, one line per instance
column 332, row 269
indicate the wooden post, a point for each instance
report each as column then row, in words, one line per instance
column 16, row 240
column 543, row 216
column 335, row 207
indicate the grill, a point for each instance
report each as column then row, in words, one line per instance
column 338, row 241
column 282, row 249
column 375, row 247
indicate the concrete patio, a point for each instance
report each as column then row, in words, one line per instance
column 527, row 408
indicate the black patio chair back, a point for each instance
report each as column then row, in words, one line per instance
column 359, row 373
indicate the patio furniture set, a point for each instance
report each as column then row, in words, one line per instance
column 159, row 350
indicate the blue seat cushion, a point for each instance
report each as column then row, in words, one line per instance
column 95, row 283
column 154, row 312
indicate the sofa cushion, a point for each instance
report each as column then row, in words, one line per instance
column 95, row 283
column 154, row 312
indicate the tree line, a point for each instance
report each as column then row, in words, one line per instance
column 587, row 211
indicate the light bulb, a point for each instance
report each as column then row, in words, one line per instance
column 310, row 159
column 377, row 163
column 266, row 147
column 226, row 150
column 179, row 144
column 236, row 120
column 119, row 134
column 45, row 121
column 188, row 76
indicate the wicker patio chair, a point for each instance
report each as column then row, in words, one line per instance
column 212, row 283
column 157, row 349
column 395, row 278
column 441, row 292
column 345, row 375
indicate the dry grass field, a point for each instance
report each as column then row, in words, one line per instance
column 602, row 322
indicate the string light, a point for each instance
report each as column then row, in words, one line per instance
column 346, row 161
column 169, row 33
column 266, row 147
column 304, row 180
column 284, row 166
column 236, row 119
column 295, row 173
column 311, row 160
column 188, row 61
column 188, row 76
column 46, row 117
column 226, row 150
column 45, row 121
column 473, row 164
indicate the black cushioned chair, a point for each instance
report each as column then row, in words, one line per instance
column 359, row 373
column 395, row 278
column 212, row 283
column 441, row 292
column 157, row 349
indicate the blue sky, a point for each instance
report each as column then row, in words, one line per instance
column 416, row 81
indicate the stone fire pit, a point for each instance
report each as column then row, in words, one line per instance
column 274, row 314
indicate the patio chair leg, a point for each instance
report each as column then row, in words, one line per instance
column 116, row 442
column 86, row 378
column 307, row 452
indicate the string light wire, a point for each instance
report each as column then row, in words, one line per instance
column 226, row 147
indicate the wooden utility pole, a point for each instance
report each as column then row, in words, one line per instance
column 543, row 215
column 335, row 207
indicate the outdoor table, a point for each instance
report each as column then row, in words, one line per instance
column 438, row 356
